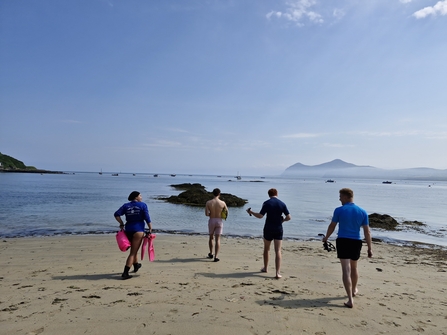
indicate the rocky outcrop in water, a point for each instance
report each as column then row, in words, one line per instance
column 196, row 195
column 387, row 222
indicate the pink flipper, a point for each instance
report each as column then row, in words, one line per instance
column 151, row 249
column 145, row 242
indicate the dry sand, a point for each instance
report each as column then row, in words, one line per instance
column 72, row 285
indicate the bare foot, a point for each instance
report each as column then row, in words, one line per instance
column 355, row 292
column 263, row 270
column 278, row 276
column 348, row 304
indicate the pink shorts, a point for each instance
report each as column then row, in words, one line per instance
column 215, row 226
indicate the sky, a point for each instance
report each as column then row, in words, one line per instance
column 223, row 87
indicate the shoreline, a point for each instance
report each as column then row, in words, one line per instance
column 392, row 242
column 72, row 284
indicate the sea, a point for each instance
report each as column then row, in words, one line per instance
column 83, row 203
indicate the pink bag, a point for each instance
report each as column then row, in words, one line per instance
column 122, row 240
column 150, row 250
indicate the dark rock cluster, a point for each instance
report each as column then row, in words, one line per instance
column 196, row 195
column 387, row 222
column 383, row 221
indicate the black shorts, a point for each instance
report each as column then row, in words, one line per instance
column 129, row 235
column 348, row 248
column 270, row 235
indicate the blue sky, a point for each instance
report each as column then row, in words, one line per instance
column 221, row 87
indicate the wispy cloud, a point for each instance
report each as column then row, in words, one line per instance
column 338, row 145
column 70, row 121
column 297, row 11
column 421, row 133
column 177, row 130
column 303, row 135
column 338, row 13
column 164, row 144
column 439, row 9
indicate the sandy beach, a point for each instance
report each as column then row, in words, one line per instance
column 72, row 285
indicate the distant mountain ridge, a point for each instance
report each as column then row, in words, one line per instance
column 341, row 169
column 335, row 164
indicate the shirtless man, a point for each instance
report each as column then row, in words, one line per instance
column 213, row 209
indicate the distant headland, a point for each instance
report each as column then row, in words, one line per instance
column 341, row 169
column 11, row 164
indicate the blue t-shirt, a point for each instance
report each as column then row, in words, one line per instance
column 274, row 208
column 350, row 218
column 136, row 213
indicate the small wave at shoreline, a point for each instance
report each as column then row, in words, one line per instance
column 395, row 242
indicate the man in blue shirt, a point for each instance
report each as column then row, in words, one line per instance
column 274, row 208
column 349, row 244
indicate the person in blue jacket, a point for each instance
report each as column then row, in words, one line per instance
column 137, row 214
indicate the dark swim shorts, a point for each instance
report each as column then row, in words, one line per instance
column 273, row 235
column 348, row 248
column 129, row 235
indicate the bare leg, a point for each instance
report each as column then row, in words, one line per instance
column 210, row 243
column 134, row 247
column 132, row 258
column 354, row 277
column 266, row 254
column 347, row 282
column 217, row 237
column 278, row 258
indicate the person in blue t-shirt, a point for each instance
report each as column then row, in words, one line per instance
column 273, row 231
column 137, row 214
column 349, row 244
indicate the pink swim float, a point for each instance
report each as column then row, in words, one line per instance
column 122, row 240
column 148, row 240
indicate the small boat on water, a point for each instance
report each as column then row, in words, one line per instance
column 115, row 174
column 173, row 175
column 100, row 172
column 387, row 182
column 155, row 175
column 330, row 181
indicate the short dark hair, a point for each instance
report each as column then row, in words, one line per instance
column 216, row 192
column 133, row 195
column 347, row 192
column 273, row 192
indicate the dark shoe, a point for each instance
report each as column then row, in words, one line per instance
column 136, row 267
column 210, row 255
column 126, row 276
column 216, row 259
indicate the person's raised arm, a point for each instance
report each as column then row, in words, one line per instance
column 256, row 215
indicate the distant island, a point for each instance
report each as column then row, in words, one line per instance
column 11, row 164
column 341, row 169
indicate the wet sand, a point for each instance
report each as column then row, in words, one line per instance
column 72, row 285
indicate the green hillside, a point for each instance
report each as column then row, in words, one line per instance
column 9, row 162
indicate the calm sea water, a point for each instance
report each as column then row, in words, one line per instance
column 84, row 203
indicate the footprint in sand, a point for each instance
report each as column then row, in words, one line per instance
column 37, row 331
